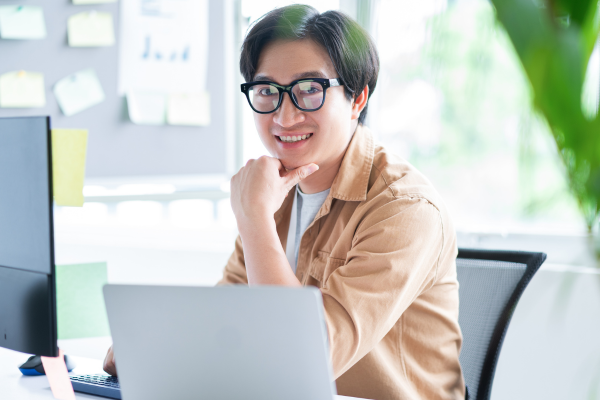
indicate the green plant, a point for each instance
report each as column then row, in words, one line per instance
column 554, row 40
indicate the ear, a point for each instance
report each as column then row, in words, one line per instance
column 360, row 102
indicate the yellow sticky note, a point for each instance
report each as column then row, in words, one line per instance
column 91, row 29
column 189, row 109
column 22, row 89
column 68, row 165
column 22, row 22
column 58, row 377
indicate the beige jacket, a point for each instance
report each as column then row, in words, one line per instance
column 382, row 249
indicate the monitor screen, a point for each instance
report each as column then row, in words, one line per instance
column 27, row 293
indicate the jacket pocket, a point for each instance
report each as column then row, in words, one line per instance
column 323, row 266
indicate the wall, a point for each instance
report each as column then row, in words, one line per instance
column 117, row 147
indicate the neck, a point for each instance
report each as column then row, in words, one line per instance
column 322, row 179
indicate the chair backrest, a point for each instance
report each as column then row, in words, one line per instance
column 490, row 285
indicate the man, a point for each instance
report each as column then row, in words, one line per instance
column 333, row 210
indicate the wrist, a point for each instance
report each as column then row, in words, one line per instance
column 252, row 225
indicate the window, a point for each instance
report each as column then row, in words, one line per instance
column 453, row 100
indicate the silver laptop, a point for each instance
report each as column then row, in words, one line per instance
column 219, row 342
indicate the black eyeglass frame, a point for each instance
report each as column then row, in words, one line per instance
column 325, row 83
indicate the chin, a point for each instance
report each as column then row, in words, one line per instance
column 290, row 166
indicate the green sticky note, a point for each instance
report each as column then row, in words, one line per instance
column 189, row 109
column 91, row 29
column 69, row 148
column 147, row 108
column 78, row 91
column 79, row 301
column 22, row 22
column 21, row 89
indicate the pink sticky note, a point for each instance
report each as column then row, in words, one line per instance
column 58, row 376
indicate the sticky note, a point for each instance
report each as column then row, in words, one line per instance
column 147, row 108
column 58, row 377
column 68, row 165
column 189, row 109
column 91, row 29
column 79, row 300
column 80, row 2
column 22, row 89
column 78, row 92
column 22, row 22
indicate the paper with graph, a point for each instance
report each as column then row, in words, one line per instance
column 163, row 46
column 163, row 61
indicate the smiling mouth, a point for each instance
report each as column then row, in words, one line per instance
column 292, row 139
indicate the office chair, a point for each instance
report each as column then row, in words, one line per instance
column 491, row 283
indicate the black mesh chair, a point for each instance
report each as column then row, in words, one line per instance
column 491, row 283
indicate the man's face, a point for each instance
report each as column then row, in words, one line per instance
column 330, row 128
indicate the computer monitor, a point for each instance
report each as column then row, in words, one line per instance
column 27, row 285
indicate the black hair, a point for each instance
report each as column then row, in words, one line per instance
column 351, row 49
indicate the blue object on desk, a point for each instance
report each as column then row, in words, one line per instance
column 33, row 366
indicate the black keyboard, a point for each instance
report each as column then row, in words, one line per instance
column 100, row 385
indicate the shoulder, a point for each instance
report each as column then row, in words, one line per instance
column 394, row 178
column 404, row 205
column 397, row 187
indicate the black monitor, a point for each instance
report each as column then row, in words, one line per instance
column 27, row 286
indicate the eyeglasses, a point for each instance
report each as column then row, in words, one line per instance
column 307, row 94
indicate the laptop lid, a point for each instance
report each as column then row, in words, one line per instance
column 214, row 343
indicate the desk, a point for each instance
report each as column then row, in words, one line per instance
column 15, row 386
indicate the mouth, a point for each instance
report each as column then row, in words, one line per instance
column 293, row 138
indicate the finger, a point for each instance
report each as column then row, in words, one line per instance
column 111, row 368
column 296, row 175
column 109, row 362
column 282, row 169
column 280, row 166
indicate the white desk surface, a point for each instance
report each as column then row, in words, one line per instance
column 13, row 385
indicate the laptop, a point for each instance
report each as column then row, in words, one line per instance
column 234, row 342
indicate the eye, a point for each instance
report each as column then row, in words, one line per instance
column 308, row 88
column 267, row 91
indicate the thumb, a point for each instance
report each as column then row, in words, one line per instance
column 296, row 175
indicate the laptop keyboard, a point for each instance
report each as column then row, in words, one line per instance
column 103, row 385
column 104, row 380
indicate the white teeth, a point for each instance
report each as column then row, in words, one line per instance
column 290, row 139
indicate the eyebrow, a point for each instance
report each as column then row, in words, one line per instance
column 308, row 74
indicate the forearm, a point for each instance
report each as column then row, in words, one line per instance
column 266, row 262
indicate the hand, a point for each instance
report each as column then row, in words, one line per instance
column 259, row 188
column 109, row 362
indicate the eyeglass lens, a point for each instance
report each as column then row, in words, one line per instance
column 308, row 95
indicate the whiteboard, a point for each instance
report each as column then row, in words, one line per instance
column 116, row 146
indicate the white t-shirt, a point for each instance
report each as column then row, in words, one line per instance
column 304, row 210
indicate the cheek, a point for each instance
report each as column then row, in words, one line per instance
column 335, row 114
column 337, row 105
column 261, row 122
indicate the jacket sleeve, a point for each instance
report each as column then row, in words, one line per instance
column 235, row 269
column 393, row 258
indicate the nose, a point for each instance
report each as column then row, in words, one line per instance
column 288, row 115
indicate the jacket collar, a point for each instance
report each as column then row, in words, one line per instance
column 352, row 180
